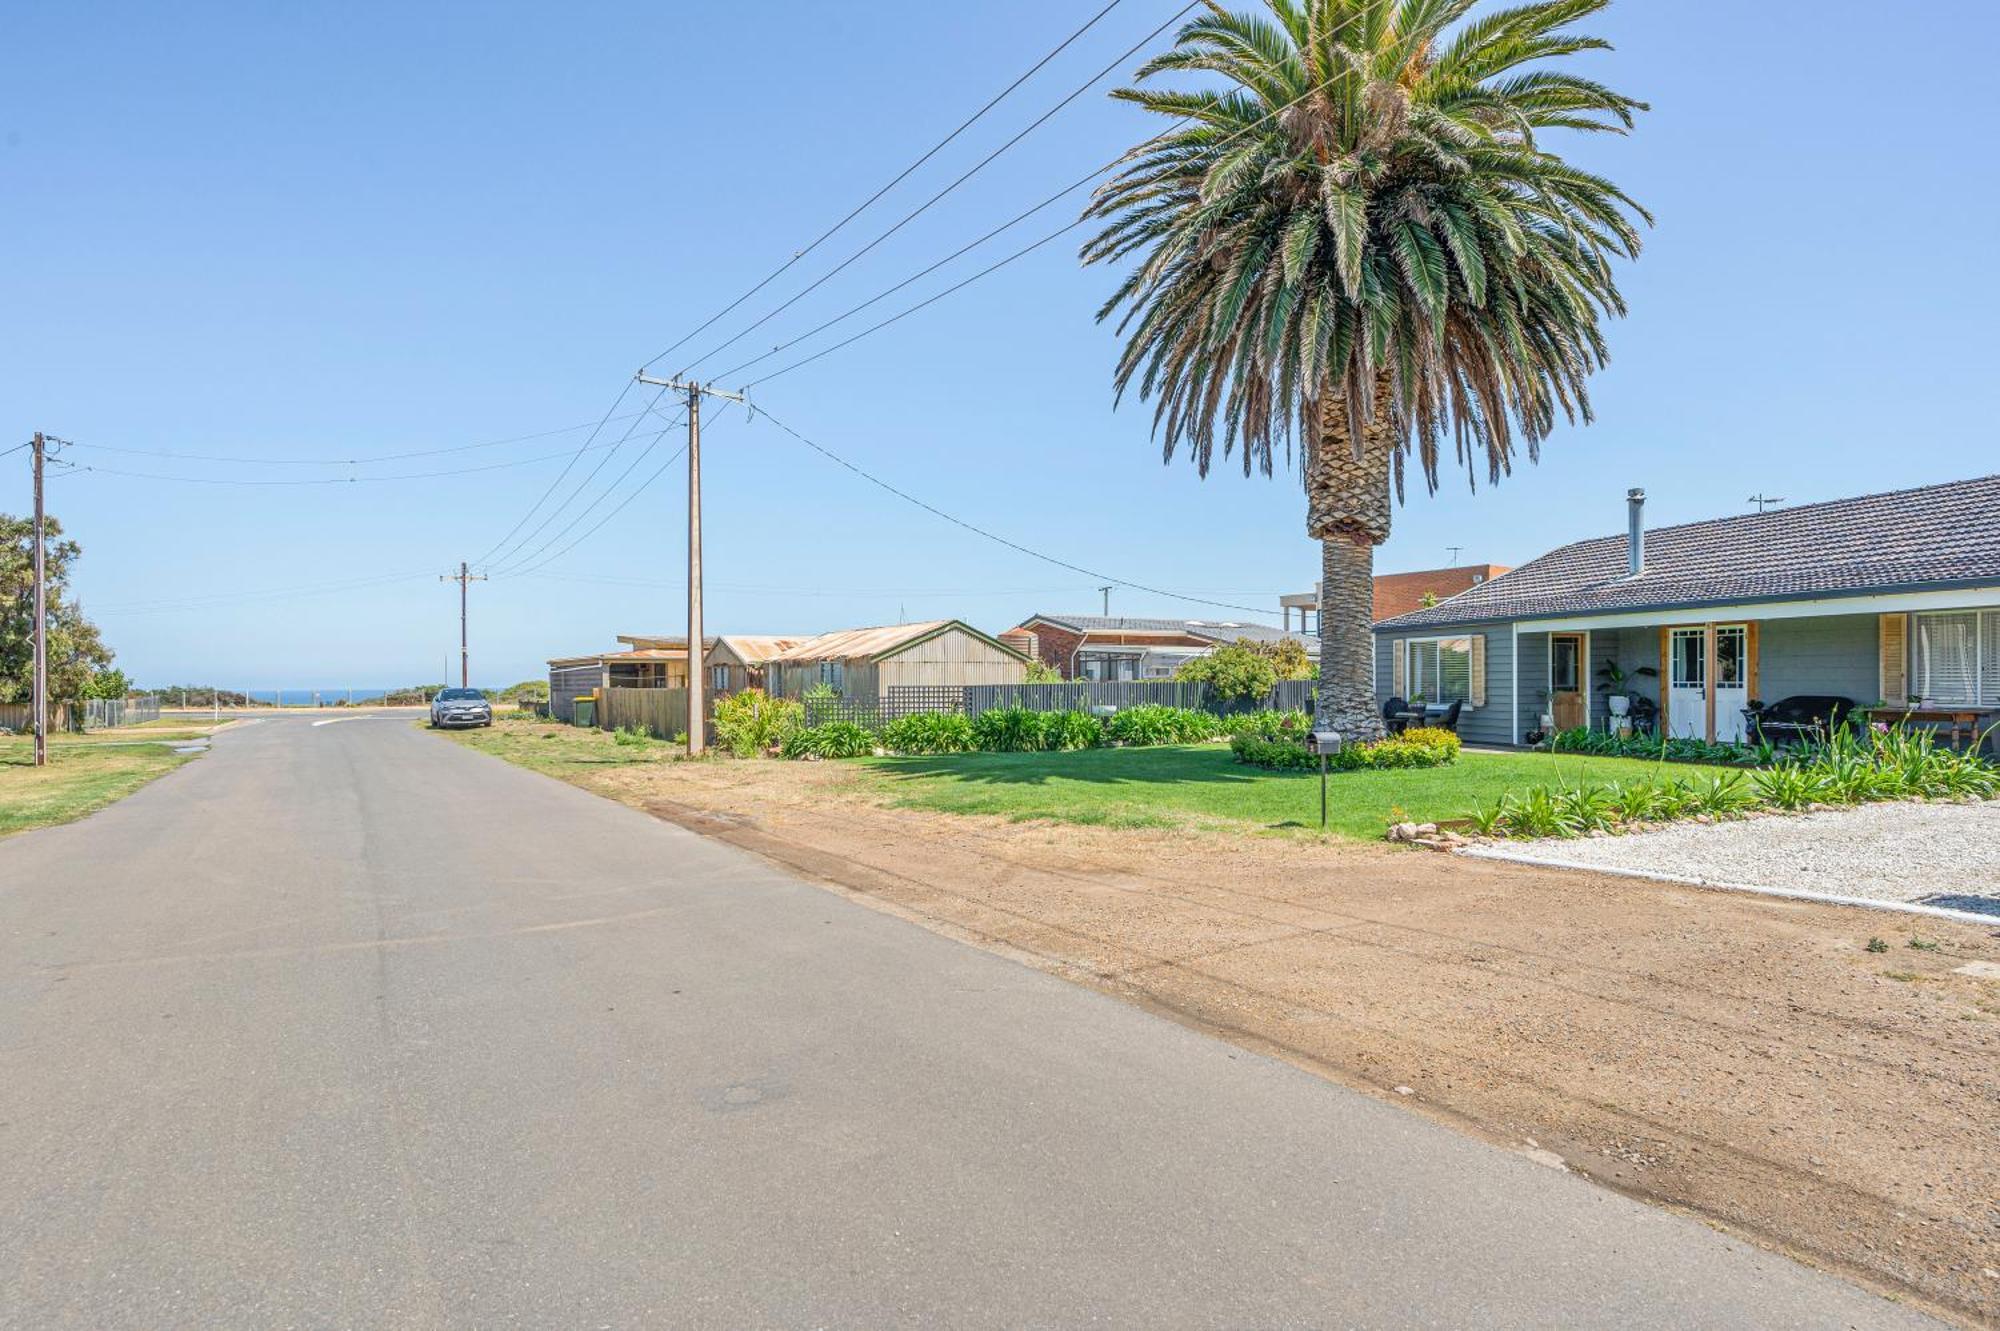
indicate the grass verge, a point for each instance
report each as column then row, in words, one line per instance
column 83, row 775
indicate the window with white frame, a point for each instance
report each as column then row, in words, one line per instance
column 1958, row 658
column 1439, row 669
column 718, row 678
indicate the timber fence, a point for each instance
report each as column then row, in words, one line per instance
column 661, row 713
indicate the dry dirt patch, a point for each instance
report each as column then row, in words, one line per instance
column 1749, row 1060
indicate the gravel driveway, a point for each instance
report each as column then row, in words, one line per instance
column 1944, row 855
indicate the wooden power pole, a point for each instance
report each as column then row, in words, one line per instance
column 697, row 710
column 465, row 577
column 41, row 622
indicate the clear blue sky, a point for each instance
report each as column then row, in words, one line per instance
column 289, row 231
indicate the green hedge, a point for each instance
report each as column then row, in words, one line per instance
column 1411, row 749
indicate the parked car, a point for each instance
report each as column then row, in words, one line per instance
column 460, row 707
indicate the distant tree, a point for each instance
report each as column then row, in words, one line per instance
column 1241, row 670
column 76, row 650
column 528, row 690
column 1041, row 672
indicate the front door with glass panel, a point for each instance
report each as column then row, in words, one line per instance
column 1687, row 684
column 1569, row 705
column 1732, row 682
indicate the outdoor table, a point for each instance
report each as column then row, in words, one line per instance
column 1964, row 722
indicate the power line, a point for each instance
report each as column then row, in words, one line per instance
column 362, row 461
column 899, row 178
column 520, row 560
column 644, row 485
column 581, row 488
column 995, row 537
column 185, row 603
column 74, row 468
column 588, row 440
column 924, row 207
column 1021, row 253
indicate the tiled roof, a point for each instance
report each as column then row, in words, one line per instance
column 1400, row 593
column 1209, row 630
column 1933, row 535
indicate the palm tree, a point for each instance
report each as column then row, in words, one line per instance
column 1360, row 241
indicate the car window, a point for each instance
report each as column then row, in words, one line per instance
column 461, row 695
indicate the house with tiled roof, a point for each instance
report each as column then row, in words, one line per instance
column 1890, row 599
column 1111, row 647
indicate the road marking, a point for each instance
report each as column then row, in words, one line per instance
column 336, row 720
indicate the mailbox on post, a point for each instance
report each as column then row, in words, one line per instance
column 1325, row 743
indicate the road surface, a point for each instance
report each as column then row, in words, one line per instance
column 343, row 1025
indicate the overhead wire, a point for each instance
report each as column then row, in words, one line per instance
column 995, row 537
column 492, row 565
column 622, row 505
column 898, row 179
column 357, row 461
column 924, row 207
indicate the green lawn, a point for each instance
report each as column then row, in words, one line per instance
column 555, row 749
column 1204, row 785
column 82, row 776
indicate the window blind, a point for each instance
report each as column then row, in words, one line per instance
column 1948, row 657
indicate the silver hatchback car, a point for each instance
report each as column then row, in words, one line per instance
column 460, row 707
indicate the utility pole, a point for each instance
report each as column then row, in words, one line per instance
column 41, row 712
column 697, row 711
column 465, row 577
column 1106, row 591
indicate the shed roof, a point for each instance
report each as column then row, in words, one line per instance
column 880, row 641
column 756, row 648
column 1932, row 535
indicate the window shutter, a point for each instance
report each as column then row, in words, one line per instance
column 1476, row 691
column 1989, row 658
column 1398, row 673
column 1894, row 665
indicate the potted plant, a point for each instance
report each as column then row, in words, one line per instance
column 1616, row 699
column 1548, row 717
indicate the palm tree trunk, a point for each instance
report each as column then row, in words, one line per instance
column 1347, row 511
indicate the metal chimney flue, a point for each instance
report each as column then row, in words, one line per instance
column 1635, row 532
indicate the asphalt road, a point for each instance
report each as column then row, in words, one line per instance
column 342, row 1025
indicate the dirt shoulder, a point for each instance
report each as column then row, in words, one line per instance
column 1748, row 1060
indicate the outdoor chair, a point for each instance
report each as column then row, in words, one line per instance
column 1449, row 721
column 1394, row 715
column 1800, row 717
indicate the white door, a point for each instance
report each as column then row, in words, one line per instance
column 1687, row 684
column 1732, row 681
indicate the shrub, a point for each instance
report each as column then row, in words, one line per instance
column 1008, row 730
column 1239, row 670
column 929, row 732
column 835, row 739
column 1268, row 725
column 1071, row 730
column 1041, row 672
column 1152, row 723
column 751, row 722
column 1854, row 766
column 1277, row 755
column 1412, row 749
column 631, row 737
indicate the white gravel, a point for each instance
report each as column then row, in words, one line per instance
column 1939, row 855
